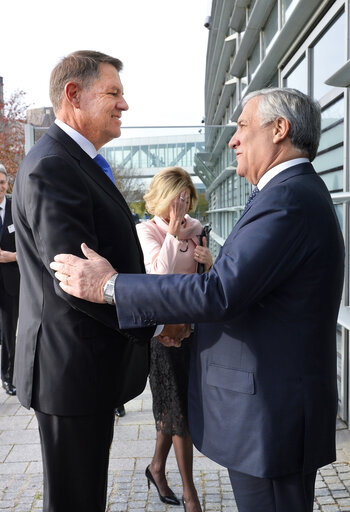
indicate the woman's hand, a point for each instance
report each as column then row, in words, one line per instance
column 203, row 255
column 7, row 256
column 177, row 210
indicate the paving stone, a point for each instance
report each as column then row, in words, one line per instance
column 132, row 449
column 337, row 487
column 12, row 468
column 27, row 453
column 8, row 409
column 19, row 437
column 332, row 479
column 344, row 502
column 340, row 494
column 322, row 492
column 126, row 433
column 14, row 422
column 325, row 500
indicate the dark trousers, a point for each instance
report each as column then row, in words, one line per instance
column 291, row 493
column 75, row 452
column 8, row 321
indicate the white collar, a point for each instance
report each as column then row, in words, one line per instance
column 82, row 141
column 271, row 173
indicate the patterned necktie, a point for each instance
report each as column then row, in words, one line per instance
column 0, row 220
column 253, row 194
column 102, row 162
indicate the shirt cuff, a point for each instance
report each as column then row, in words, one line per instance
column 158, row 330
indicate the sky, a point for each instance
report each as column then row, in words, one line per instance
column 162, row 44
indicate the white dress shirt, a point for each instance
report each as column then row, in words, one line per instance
column 271, row 173
column 2, row 212
column 82, row 141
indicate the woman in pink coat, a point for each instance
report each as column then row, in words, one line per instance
column 170, row 243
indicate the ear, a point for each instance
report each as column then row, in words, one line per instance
column 280, row 129
column 72, row 93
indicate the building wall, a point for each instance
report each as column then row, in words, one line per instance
column 286, row 43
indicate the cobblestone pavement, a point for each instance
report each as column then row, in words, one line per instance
column 131, row 452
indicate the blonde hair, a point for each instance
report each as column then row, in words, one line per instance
column 165, row 186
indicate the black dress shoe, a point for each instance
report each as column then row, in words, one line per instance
column 171, row 499
column 120, row 411
column 9, row 388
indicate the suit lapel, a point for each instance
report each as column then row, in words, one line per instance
column 90, row 167
column 94, row 171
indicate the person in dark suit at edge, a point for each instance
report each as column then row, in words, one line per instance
column 74, row 365
column 9, row 286
column 263, row 380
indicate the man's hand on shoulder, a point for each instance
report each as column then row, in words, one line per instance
column 83, row 278
column 172, row 335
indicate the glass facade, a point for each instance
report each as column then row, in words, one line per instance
column 144, row 156
column 159, row 154
column 271, row 28
column 330, row 49
column 287, row 8
column 297, row 78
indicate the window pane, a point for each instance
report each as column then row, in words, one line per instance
column 339, row 361
column 339, row 212
column 251, row 6
column 333, row 180
column 254, row 59
column 297, row 78
column 273, row 82
column 329, row 160
column 271, row 28
column 288, row 7
column 328, row 56
column 334, row 113
column 332, row 137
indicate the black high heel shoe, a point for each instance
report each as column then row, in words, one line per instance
column 171, row 499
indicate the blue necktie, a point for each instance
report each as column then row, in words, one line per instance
column 253, row 194
column 102, row 162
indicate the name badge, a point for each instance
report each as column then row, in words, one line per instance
column 11, row 228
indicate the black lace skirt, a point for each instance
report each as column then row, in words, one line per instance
column 169, row 385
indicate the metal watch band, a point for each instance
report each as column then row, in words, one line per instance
column 108, row 290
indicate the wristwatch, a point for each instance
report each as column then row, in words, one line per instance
column 108, row 290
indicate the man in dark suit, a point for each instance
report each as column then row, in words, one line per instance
column 9, row 286
column 74, row 365
column 263, row 382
